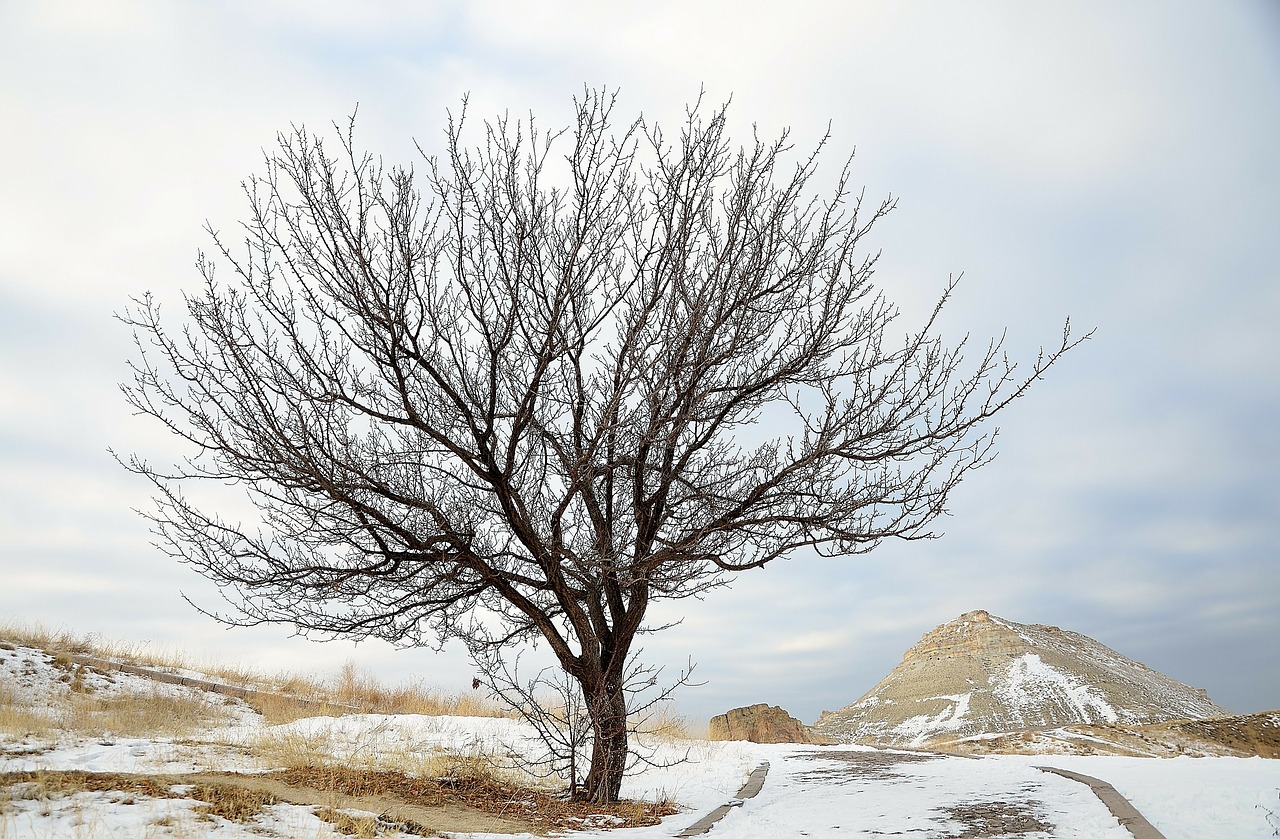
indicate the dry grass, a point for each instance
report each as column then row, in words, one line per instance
column 475, row 784
column 292, row 696
column 362, row 827
column 20, row 720
column 356, row 687
column 313, row 751
column 153, row 714
column 66, row 642
column 43, row 784
column 230, row 802
column 292, row 749
column 669, row 725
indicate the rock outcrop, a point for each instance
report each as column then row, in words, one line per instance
column 759, row 724
column 983, row 675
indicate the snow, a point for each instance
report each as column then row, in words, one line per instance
column 1029, row 683
column 90, row 815
column 916, row 730
column 810, row 791
column 1160, row 696
column 1186, row 797
column 913, row 802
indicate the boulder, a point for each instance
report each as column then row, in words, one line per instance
column 759, row 724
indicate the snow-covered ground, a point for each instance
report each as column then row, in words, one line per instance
column 810, row 791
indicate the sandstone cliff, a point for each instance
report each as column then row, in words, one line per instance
column 980, row 674
column 759, row 724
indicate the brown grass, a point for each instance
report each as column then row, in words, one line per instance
column 668, row 725
column 20, row 720
column 362, row 827
column 153, row 714
column 292, row 696
column 230, row 802
column 43, row 784
column 474, row 786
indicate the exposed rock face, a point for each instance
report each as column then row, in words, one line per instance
column 759, row 724
column 980, row 674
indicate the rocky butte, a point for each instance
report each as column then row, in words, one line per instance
column 758, row 724
column 984, row 675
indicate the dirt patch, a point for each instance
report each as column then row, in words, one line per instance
column 988, row 819
column 862, row 766
column 426, row 817
column 978, row 820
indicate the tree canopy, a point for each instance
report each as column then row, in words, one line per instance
column 506, row 394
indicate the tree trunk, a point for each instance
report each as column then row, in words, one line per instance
column 608, row 708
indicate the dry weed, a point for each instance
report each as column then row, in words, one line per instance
column 21, row 721
column 362, row 827
column 476, row 784
column 292, row 749
column 230, row 802
column 668, row 725
column 472, row 784
column 153, row 714
column 277, row 709
column 43, row 784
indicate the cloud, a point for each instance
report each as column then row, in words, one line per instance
column 1111, row 164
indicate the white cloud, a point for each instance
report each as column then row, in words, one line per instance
column 1110, row 163
column 91, row 19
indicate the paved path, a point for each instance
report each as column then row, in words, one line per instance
column 1119, row 806
column 755, row 783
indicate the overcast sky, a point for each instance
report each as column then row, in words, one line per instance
column 1111, row 162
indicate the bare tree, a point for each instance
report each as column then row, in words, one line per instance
column 553, row 705
column 499, row 398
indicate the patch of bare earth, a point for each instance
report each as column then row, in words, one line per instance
column 863, row 766
column 989, row 819
column 976, row 820
column 420, row 806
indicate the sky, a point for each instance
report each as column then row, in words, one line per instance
column 1110, row 163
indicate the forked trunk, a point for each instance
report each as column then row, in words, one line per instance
column 608, row 709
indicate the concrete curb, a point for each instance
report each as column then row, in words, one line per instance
column 1119, row 806
column 755, row 782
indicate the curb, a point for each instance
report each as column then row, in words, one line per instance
column 1119, row 806
column 755, row 782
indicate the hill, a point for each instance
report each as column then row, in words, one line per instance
column 981, row 675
